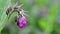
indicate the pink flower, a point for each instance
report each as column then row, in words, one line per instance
column 22, row 22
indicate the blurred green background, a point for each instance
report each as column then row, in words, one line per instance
column 44, row 17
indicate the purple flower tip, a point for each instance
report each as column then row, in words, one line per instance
column 22, row 22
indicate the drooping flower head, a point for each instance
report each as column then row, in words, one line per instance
column 22, row 22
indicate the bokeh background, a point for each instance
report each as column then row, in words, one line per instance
column 43, row 17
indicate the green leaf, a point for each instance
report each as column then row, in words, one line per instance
column 8, row 20
column 4, row 4
column 43, row 24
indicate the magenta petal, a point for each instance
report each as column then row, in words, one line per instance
column 20, row 25
column 22, row 20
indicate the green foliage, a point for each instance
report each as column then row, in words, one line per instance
column 33, row 7
column 3, row 6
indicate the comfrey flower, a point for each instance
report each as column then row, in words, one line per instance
column 21, row 22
